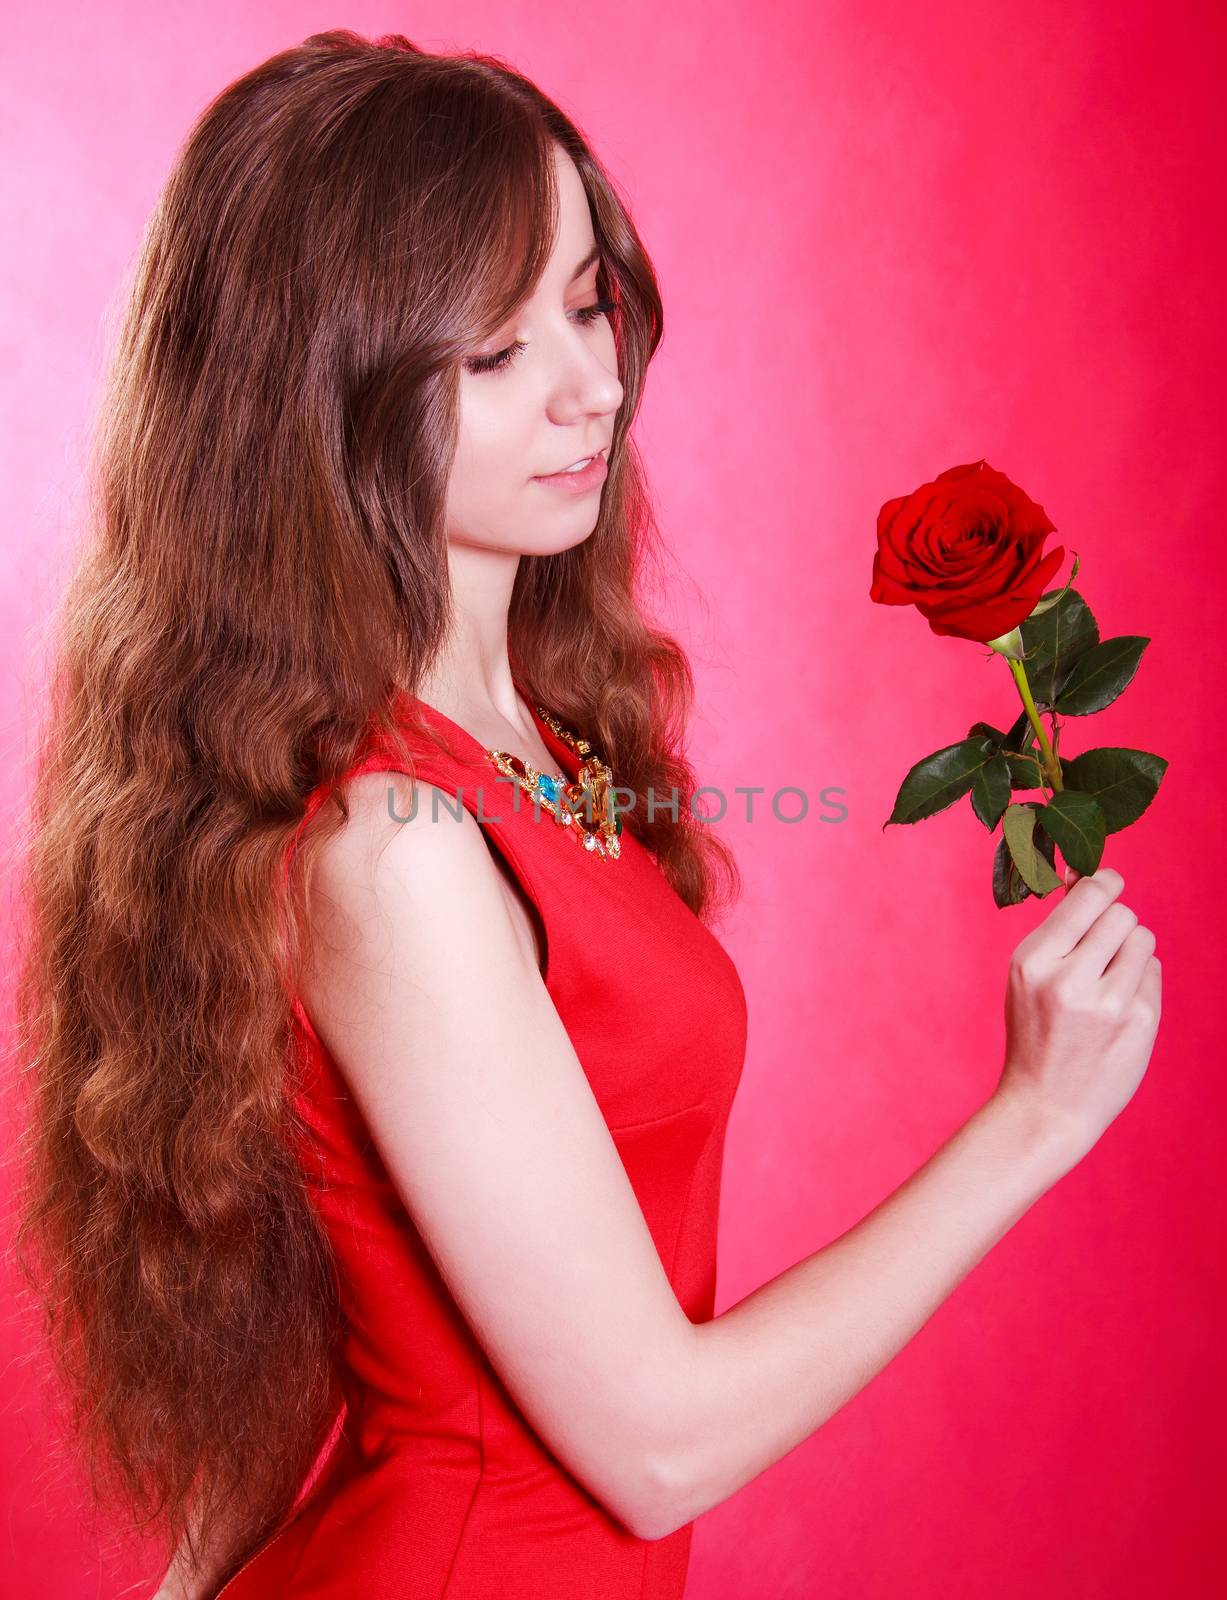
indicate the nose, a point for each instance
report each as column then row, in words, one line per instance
column 586, row 383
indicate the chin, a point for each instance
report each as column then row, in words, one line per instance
column 565, row 541
column 546, row 536
column 554, row 534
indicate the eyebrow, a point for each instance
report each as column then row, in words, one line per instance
column 593, row 255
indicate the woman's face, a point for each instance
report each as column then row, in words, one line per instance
column 546, row 398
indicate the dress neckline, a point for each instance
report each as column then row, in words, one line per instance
column 567, row 758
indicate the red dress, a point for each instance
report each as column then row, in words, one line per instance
column 437, row 1485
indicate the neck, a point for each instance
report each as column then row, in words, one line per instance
column 471, row 679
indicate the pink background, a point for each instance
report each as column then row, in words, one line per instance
column 890, row 239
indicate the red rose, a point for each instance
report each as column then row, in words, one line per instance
column 967, row 550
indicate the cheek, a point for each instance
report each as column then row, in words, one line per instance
column 493, row 462
column 494, row 438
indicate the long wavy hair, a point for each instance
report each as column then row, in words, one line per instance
column 264, row 575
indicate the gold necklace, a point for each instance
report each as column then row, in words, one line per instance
column 585, row 806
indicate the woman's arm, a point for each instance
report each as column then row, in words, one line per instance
column 218, row 1552
column 1083, row 1002
column 769, row 1371
column 436, row 1013
column 181, row 1583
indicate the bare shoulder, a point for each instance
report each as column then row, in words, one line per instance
column 413, row 846
column 384, row 806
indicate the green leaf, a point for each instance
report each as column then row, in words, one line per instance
column 937, row 781
column 990, row 792
column 1018, row 828
column 987, row 730
column 1026, row 771
column 1123, row 782
column 1099, row 675
column 1076, row 823
column 1021, row 732
column 1042, row 842
column 1053, row 643
column 1008, row 887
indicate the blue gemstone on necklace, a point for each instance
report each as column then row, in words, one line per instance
column 549, row 787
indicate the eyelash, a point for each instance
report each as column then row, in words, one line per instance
column 503, row 358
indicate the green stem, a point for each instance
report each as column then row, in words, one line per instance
column 1051, row 765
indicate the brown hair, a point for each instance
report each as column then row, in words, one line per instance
column 266, row 572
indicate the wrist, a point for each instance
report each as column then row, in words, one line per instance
column 1049, row 1140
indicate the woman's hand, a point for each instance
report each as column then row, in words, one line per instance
column 1082, row 1006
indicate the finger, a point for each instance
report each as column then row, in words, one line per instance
column 1151, row 987
column 1100, row 943
column 1124, row 973
column 1078, row 909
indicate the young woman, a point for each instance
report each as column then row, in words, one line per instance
column 377, row 1125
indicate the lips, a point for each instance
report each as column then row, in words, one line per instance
column 584, row 480
column 567, row 464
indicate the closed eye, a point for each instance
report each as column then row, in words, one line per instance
column 502, row 359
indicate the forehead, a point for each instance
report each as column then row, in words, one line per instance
column 548, row 267
column 575, row 236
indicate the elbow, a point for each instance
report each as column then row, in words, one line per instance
column 661, row 1505
column 671, row 1484
column 663, row 1491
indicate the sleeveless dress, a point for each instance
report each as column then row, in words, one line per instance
column 437, row 1487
